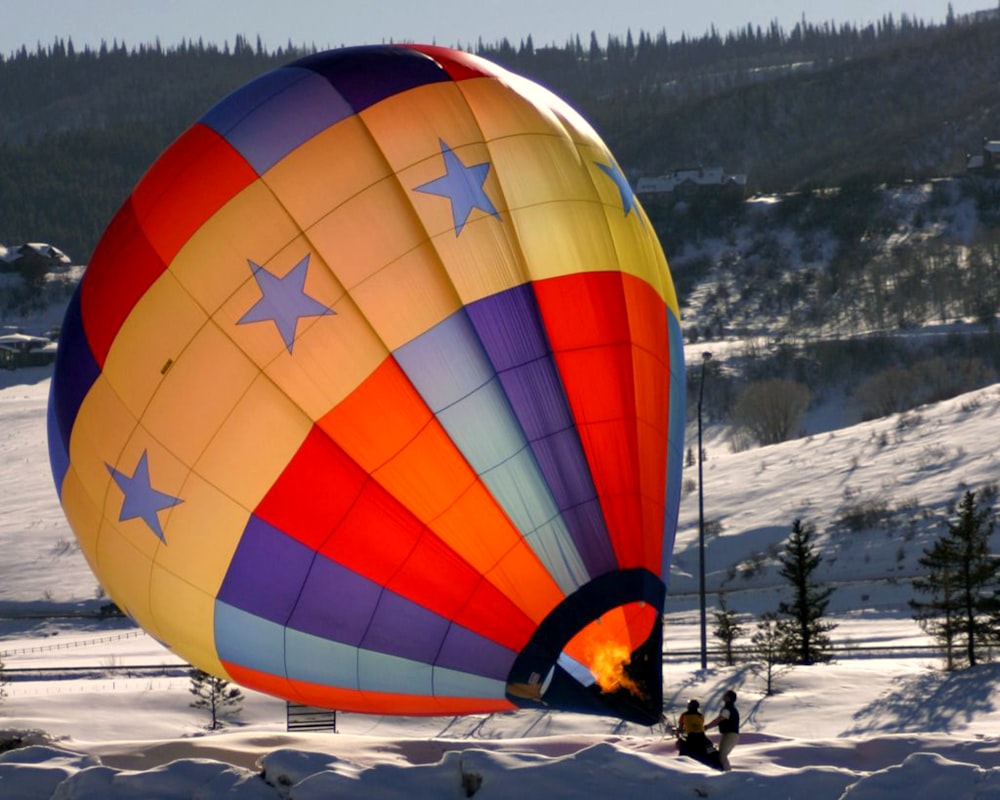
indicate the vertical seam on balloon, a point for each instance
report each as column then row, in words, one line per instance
column 406, row 194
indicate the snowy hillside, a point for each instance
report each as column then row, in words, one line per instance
column 879, row 726
column 868, row 726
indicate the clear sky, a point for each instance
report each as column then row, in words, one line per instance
column 446, row 22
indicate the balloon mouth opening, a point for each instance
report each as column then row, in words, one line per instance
column 598, row 652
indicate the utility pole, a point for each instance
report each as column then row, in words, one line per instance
column 705, row 357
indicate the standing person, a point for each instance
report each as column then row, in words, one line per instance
column 729, row 726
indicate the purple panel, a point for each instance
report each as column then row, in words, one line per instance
column 272, row 115
column 336, row 603
column 511, row 331
column 341, row 605
column 466, row 651
column 366, row 75
column 266, row 573
column 589, row 531
column 75, row 372
column 535, row 391
column 509, row 325
column 402, row 628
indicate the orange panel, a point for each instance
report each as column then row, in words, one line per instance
column 378, row 418
column 364, row 702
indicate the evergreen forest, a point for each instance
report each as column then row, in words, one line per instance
column 820, row 105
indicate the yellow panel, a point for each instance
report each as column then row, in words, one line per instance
column 83, row 514
column 484, row 260
column 198, row 392
column 185, row 618
column 213, row 262
column 262, row 341
column 105, row 435
column 369, row 231
column 332, row 355
column 327, row 171
column 166, row 475
column 156, row 331
column 101, row 430
column 435, row 210
column 125, row 572
column 564, row 238
column 434, row 112
column 541, row 169
column 254, row 444
column 202, row 535
column 407, row 297
column 518, row 105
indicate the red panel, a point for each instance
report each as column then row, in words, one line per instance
column 327, row 502
column 186, row 186
column 613, row 325
column 123, row 266
column 193, row 179
column 460, row 66
column 440, row 581
column 375, row 537
column 315, row 491
column 651, row 365
column 340, row 699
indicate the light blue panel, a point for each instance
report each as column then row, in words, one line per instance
column 449, row 368
column 518, row 486
column 554, row 546
column 379, row 672
column 483, row 425
column 249, row 640
column 316, row 660
column 446, row 363
column 449, row 683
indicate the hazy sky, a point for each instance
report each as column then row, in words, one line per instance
column 447, row 22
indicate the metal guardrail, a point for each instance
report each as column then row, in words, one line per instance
column 838, row 652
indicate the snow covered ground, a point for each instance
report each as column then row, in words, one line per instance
column 866, row 727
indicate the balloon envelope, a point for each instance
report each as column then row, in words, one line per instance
column 372, row 396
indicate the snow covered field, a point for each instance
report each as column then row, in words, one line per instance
column 864, row 728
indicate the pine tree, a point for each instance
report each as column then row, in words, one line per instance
column 768, row 649
column 3, row 682
column 803, row 628
column 216, row 695
column 727, row 629
column 962, row 579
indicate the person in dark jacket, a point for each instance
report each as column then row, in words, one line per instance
column 728, row 723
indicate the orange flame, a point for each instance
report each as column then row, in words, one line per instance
column 608, row 667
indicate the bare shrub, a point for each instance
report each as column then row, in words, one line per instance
column 770, row 410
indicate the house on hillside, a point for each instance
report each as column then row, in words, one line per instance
column 690, row 181
column 32, row 257
column 987, row 161
column 24, row 350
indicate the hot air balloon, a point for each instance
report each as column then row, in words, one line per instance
column 372, row 396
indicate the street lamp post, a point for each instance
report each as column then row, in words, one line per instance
column 701, row 522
